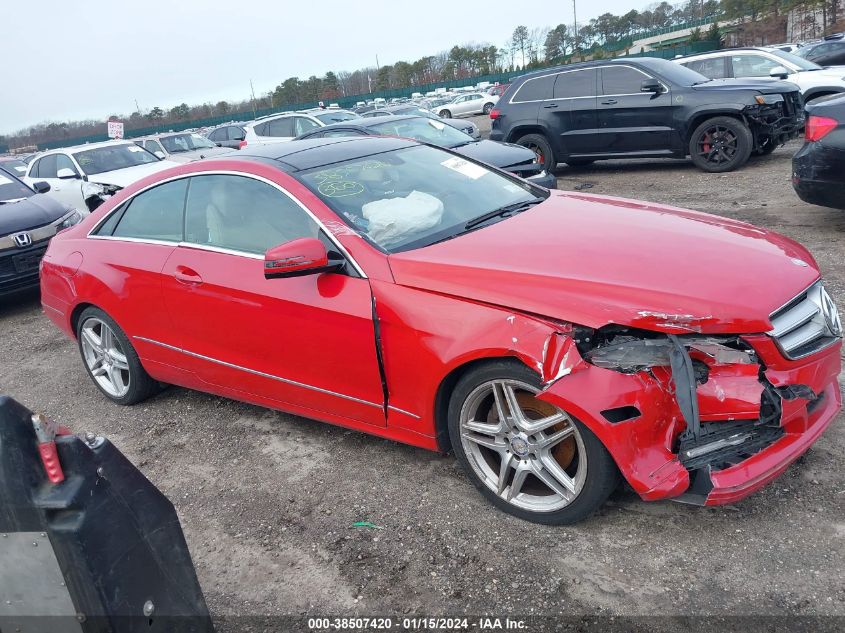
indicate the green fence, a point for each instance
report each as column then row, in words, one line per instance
column 350, row 101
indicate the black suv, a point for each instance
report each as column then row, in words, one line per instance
column 27, row 222
column 645, row 108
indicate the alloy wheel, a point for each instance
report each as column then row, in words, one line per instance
column 105, row 358
column 528, row 452
column 718, row 144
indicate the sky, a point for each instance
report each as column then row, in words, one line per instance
column 93, row 58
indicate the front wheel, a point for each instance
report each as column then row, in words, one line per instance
column 721, row 144
column 111, row 361
column 446, row 114
column 528, row 457
column 538, row 144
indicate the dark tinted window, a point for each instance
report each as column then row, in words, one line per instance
column 33, row 173
column 580, row 83
column 155, row 214
column 714, row 68
column 235, row 133
column 107, row 227
column 242, row 214
column 621, row 80
column 47, row 167
column 218, row 135
column 281, row 127
column 262, row 129
column 535, row 89
column 11, row 188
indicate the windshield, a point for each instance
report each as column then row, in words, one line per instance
column 681, row 74
column 185, row 143
column 413, row 197
column 423, row 129
column 336, row 116
column 111, row 157
column 11, row 188
column 15, row 167
column 793, row 59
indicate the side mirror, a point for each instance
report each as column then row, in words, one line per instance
column 219, row 144
column 41, row 186
column 651, row 85
column 779, row 72
column 160, row 154
column 303, row 256
column 66, row 173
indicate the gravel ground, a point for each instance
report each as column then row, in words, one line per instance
column 268, row 500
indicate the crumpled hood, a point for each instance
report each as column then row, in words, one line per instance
column 594, row 260
column 125, row 177
column 30, row 213
column 496, row 154
column 763, row 86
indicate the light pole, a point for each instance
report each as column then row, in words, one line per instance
column 575, row 25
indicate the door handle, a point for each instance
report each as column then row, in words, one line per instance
column 551, row 105
column 186, row 275
column 610, row 102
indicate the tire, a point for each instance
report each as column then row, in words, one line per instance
column 720, row 144
column 579, row 458
column 487, row 108
column 104, row 347
column 541, row 147
column 579, row 162
column 446, row 114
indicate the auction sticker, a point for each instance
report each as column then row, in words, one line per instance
column 464, row 167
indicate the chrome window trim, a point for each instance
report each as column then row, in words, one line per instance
column 222, row 172
column 575, row 70
column 260, row 373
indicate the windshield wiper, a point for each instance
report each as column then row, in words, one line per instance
column 503, row 212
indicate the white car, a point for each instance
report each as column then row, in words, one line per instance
column 181, row 147
column 280, row 128
column 83, row 176
column 472, row 103
column 770, row 63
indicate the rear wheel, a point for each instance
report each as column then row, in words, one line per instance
column 538, row 144
column 720, row 144
column 110, row 359
column 487, row 108
column 446, row 114
column 528, row 457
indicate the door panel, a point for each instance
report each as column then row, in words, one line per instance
column 307, row 341
column 630, row 120
column 573, row 110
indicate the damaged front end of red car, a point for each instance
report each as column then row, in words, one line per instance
column 702, row 418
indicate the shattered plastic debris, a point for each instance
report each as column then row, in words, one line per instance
column 367, row 524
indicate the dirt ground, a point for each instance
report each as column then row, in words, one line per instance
column 268, row 500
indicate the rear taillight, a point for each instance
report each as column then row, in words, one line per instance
column 242, row 144
column 818, row 127
column 495, row 114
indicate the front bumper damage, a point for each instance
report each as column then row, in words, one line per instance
column 704, row 420
column 776, row 123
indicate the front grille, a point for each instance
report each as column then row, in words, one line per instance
column 806, row 324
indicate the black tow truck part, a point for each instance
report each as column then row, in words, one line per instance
column 87, row 543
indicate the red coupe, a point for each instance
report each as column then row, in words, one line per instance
column 552, row 340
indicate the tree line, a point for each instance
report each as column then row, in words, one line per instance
column 524, row 49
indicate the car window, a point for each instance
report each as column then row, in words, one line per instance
column 152, row 146
column 621, row 80
column 11, row 188
column 47, row 167
column 580, row 83
column 752, row 65
column 33, row 172
column 714, row 68
column 155, row 214
column 236, row 133
column 280, row 127
column 216, row 135
column 64, row 162
column 336, row 133
column 535, row 89
column 112, row 157
column 303, row 125
column 243, row 214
